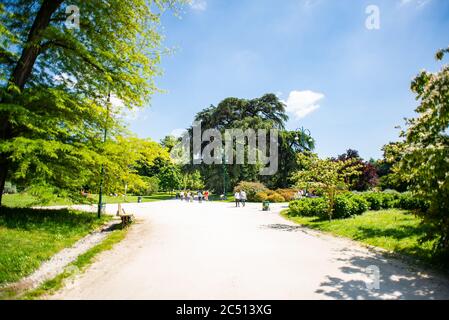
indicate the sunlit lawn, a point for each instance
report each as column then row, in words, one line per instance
column 394, row 230
column 23, row 200
column 30, row 236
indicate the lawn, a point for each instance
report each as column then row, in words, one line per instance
column 133, row 199
column 23, row 200
column 395, row 230
column 29, row 236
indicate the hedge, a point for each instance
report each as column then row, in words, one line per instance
column 308, row 207
column 351, row 204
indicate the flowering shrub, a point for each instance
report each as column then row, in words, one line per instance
column 251, row 189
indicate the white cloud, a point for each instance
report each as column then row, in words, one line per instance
column 303, row 103
column 198, row 5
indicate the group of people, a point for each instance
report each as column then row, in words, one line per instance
column 304, row 194
column 240, row 197
column 190, row 196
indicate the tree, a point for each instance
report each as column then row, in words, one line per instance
column 388, row 171
column 290, row 144
column 424, row 159
column 169, row 142
column 266, row 112
column 192, row 181
column 169, row 178
column 54, row 83
column 367, row 177
column 123, row 157
column 327, row 176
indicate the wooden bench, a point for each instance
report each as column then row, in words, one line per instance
column 127, row 218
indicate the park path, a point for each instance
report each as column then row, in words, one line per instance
column 181, row 250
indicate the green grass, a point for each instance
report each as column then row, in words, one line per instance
column 30, row 236
column 83, row 261
column 395, row 230
column 24, row 200
column 133, row 199
column 216, row 197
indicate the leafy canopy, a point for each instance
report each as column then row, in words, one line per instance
column 54, row 84
column 425, row 152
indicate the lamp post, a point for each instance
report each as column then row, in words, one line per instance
column 301, row 138
column 224, row 174
column 105, row 133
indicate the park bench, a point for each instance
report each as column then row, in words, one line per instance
column 127, row 218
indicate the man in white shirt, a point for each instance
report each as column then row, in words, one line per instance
column 243, row 197
column 237, row 199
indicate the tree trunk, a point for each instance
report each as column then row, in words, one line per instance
column 31, row 50
column 22, row 72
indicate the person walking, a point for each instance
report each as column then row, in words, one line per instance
column 200, row 197
column 237, row 199
column 243, row 197
column 181, row 195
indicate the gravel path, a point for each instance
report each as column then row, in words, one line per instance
column 57, row 264
column 215, row 251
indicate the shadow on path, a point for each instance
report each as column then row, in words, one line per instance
column 398, row 280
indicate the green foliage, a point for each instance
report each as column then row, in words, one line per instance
column 81, row 263
column 382, row 200
column 251, row 189
column 394, row 230
column 308, row 207
column 408, row 201
column 349, row 204
column 424, row 157
column 326, row 176
column 149, row 187
column 170, row 178
column 366, row 178
column 290, row 144
column 389, row 173
column 54, row 84
column 267, row 112
column 29, row 236
column 192, row 181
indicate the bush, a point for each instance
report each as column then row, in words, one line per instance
column 407, row 201
column 393, row 199
column 251, row 189
column 288, row 194
column 349, row 204
column 261, row 196
column 381, row 200
column 275, row 197
column 374, row 200
column 308, row 207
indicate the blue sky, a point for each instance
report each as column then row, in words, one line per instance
column 347, row 84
